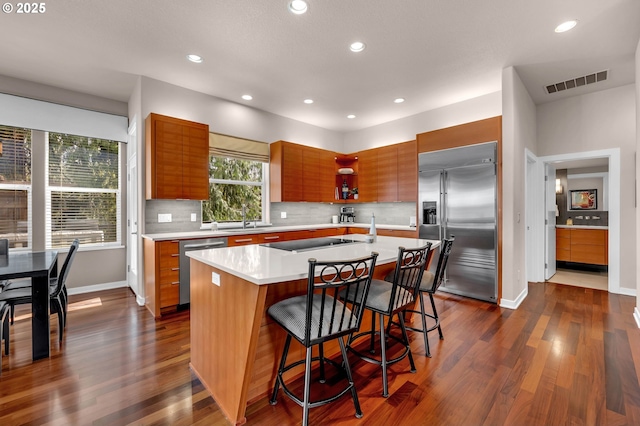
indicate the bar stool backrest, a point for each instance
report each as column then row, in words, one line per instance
column 410, row 266
column 326, row 316
column 445, row 251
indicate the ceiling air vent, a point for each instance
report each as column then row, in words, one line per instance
column 577, row 82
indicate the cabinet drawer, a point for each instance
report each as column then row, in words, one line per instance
column 563, row 244
column 242, row 240
column 169, row 294
column 595, row 237
column 169, row 252
column 396, row 233
column 587, row 253
column 563, row 254
column 563, row 233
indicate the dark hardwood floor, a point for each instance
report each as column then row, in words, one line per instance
column 568, row 355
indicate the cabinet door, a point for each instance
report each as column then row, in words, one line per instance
column 367, row 176
column 292, row 173
column 408, row 171
column 387, row 176
column 167, row 148
column 195, row 161
column 310, row 174
column 327, row 176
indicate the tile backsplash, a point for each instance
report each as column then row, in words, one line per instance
column 311, row 213
column 297, row 214
column 180, row 211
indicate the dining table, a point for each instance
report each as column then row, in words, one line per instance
column 40, row 266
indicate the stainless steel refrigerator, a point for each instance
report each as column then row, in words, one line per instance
column 457, row 196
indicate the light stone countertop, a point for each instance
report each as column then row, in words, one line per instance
column 582, row 227
column 207, row 233
column 263, row 265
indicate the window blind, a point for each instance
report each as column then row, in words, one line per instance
column 83, row 193
column 39, row 115
column 242, row 149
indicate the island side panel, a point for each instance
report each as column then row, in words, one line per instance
column 225, row 323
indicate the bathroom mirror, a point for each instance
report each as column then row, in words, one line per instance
column 598, row 181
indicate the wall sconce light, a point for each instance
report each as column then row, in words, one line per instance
column 558, row 187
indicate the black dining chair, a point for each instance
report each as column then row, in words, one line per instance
column 429, row 285
column 4, row 330
column 58, row 297
column 318, row 317
column 386, row 300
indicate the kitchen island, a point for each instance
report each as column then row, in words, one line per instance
column 235, row 347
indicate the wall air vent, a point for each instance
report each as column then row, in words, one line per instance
column 577, row 82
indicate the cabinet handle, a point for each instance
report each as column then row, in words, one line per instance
column 175, row 254
column 244, row 241
column 175, row 283
column 175, row 269
column 272, row 238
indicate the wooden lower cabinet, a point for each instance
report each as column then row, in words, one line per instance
column 161, row 275
column 563, row 245
column 397, row 233
column 582, row 246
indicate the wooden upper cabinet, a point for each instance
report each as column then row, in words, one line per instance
column 327, row 176
column 408, row 171
column 301, row 173
column 368, row 176
column 387, row 176
column 285, row 172
column 177, row 158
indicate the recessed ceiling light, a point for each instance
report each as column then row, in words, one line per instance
column 351, row 116
column 357, row 46
column 247, row 97
column 308, row 101
column 566, row 26
column 195, row 58
column 398, row 100
column 298, row 7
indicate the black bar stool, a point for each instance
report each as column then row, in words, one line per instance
column 388, row 299
column 318, row 317
column 429, row 285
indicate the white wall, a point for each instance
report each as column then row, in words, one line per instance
column 406, row 129
column 518, row 133
column 637, row 261
column 56, row 95
column 596, row 121
column 231, row 118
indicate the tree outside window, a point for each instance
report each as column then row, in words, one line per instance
column 233, row 183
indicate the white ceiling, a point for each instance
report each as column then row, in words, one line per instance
column 431, row 52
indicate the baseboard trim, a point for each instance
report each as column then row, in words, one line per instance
column 626, row 291
column 514, row 304
column 96, row 287
column 636, row 315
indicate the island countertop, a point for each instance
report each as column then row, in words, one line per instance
column 264, row 265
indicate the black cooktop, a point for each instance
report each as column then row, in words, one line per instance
column 310, row 244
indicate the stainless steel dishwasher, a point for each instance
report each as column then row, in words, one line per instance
column 185, row 264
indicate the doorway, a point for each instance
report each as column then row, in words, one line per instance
column 573, row 273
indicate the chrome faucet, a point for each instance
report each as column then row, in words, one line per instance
column 246, row 222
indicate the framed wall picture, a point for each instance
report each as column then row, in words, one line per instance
column 583, row 199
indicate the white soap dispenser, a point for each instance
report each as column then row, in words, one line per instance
column 372, row 229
